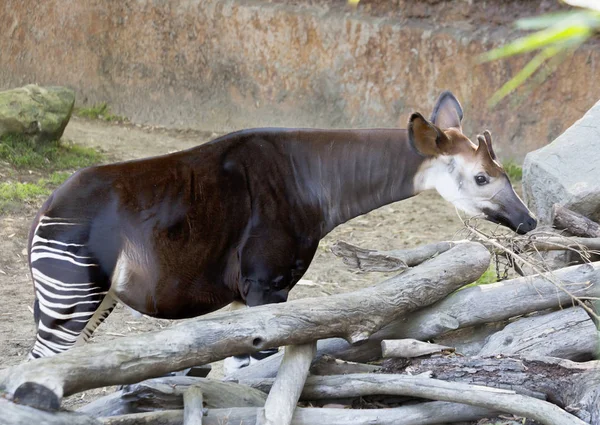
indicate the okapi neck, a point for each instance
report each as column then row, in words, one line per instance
column 368, row 170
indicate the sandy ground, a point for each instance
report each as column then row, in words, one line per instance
column 424, row 218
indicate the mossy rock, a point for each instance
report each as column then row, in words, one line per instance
column 41, row 113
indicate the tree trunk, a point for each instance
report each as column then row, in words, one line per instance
column 573, row 386
column 354, row 317
column 468, row 307
column 566, row 334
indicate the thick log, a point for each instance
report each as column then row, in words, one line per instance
column 354, row 317
column 167, row 394
column 410, row 348
column 566, row 334
column 575, row 223
column 370, row 260
column 288, row 385
column 572, row 386
column 468, row 307
column 17, row 414
column 435, row 412
column 193, row 408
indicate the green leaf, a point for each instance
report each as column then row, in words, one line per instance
column 538, row 40
column 533, row 65
column 552, row 19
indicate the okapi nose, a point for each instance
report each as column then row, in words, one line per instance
column 528, row 224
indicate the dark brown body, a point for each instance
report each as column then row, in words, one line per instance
column 238, row 218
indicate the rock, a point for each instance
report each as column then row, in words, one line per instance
column 566, row 171
column 40, row 112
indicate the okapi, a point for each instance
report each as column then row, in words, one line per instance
column 239, row 218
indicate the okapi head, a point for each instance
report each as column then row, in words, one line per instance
column 465, row 174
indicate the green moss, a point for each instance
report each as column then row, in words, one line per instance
column 13, row 194
column 23, row 153
column 514, row 171
column 489, row 276
column 15, row 191
column 100, row 111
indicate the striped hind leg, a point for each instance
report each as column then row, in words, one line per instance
column 71, row 290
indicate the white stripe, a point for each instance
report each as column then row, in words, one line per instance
column 56, row 332
column 41, row 350
column 47, row 303
column 58, row 224
column 43, row 278
column 67, row 297
column 68, row 330
column 55, row 315
column 38, row 256
column 46, row 218
column 37, row 248
column 37, row 239
column 50, row 344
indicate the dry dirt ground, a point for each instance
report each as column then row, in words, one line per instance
column 424, row 218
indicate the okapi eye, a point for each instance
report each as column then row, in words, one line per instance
column 481, row 179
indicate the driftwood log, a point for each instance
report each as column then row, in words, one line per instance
column 284, row 396
column 435, row 412
column 410, row 348
column 474, row 306
column 327, row 365
column 167, row 393
column 354, row 317
column 572, row 386
column 17, row 414
column 358, row 385
column 193, row 408
column 566, row 334
column 370, row 260
column 575, row 223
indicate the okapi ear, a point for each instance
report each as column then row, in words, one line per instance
column 447, row 112
column 488, row 139
column 425, row 137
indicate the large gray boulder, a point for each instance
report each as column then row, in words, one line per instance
column 567, row 171
column 39, row 112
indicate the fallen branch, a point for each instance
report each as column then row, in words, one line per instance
column 358, row 385
column 468, row 307
column 370, row 260
column 288, row 385
column 193, row 406
column 167, row 393
column 572, row 386
column 575, row 223
column 327, row 365
column 410, row 348
column 435, row 412
column 354, row 317
column 17, row 414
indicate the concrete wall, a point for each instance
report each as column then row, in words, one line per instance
column 228, row 64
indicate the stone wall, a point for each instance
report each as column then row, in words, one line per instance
column 228, row 64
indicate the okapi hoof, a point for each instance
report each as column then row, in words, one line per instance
column 35, row 395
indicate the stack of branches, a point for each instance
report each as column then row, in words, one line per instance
column 523, row 346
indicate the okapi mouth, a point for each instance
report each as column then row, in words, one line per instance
column 526, row 224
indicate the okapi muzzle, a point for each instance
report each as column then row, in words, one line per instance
column 239, row 219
